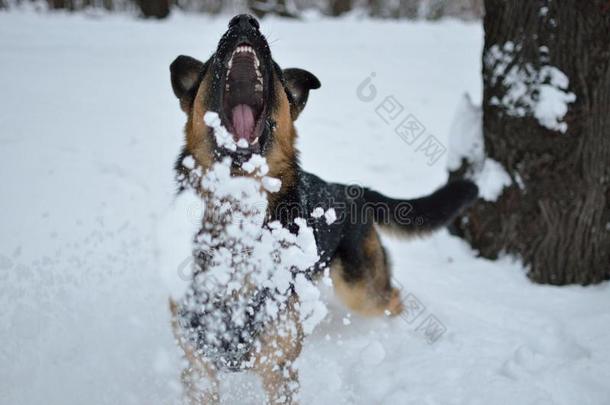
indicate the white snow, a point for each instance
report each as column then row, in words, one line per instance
column 542, row 93
column 466, row 135
column 312, row 310
column 330, row 216
column 466, row 143
column 271, row 184
column 256, row 162
column 244, row 261
column 223, row 137
column 491, row 180
column 91, row 247
column 317, row 212
column 188, row 162
column 553, row 99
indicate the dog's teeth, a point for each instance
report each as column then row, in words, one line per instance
column 244, row 48
column 255, row 141
column 258, row 87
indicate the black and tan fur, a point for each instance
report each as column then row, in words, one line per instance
column 351, row 245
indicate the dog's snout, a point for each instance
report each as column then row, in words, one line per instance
column 244, row 21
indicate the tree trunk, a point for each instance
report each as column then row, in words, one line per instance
column 107, row 4
column 154, row 8
column 556, row 213
column 57, row 4
column 338, row 7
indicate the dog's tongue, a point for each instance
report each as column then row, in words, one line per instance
column 243, row 122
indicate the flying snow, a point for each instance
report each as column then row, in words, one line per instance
column 245, row 269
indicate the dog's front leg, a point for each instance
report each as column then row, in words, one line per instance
column 199, row 377
column 281, row 382
column 200, row 382
column 280, row 346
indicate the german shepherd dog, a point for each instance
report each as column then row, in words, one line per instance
column 258, row 102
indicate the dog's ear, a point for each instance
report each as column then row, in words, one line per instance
column 186, row 74
column 299, row 82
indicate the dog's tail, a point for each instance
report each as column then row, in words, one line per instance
column 421, row 215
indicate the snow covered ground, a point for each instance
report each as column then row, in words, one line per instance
column 89, row 129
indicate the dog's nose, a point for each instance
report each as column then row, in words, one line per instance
column 243, row 21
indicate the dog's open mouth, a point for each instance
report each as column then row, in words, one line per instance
column 243, row 102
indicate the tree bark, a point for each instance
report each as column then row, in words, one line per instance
column 338, row 7
column 154, row 8
column 556, row 213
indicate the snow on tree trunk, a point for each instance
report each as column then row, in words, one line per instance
column 546, row 123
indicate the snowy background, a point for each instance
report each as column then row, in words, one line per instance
column 90, row 246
